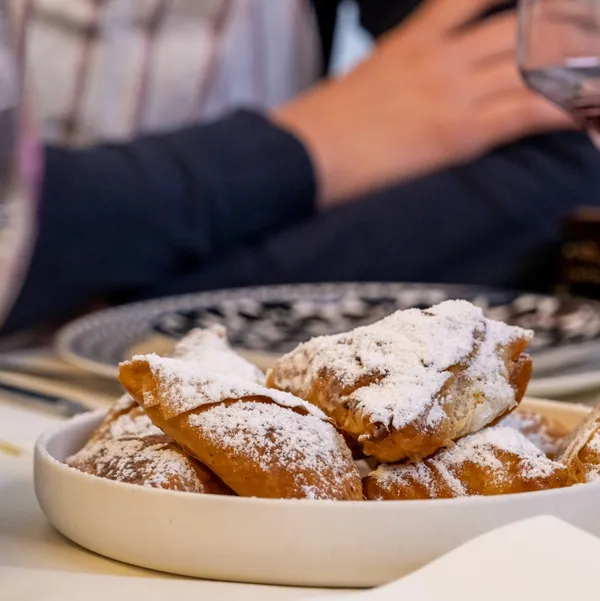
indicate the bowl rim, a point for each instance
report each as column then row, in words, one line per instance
column 42, row 454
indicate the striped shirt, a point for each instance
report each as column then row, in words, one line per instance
column 107, row 70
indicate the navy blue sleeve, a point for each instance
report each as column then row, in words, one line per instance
column 379, row 16
column 120, row 217
column 496, row 221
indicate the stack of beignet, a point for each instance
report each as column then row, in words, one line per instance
column 416, row 397
column 127, row 447
column 413, row 382
column 419, row 392
column 260, row 442
column 495, row 461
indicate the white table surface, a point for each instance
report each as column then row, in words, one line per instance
column 28, row 540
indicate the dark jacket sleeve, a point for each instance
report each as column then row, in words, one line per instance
column 496, row 222
column 378, row 16
column 115, row 218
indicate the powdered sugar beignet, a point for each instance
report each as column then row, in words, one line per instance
column 414, row 381
column 208, row 347
column 124, row 419
column 260, row 442
column 582, row 453
column 153, row 460
column 495, row 461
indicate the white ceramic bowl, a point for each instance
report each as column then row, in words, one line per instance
column 304, row 543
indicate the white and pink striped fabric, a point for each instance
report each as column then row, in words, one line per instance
column 110, row 69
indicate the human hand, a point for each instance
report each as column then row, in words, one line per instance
column 438, row 90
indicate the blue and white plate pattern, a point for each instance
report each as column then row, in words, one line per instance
column 273, row 319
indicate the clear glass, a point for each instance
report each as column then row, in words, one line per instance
column 19, row 166
column 559, row 55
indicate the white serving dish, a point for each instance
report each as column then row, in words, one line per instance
column 302, row 543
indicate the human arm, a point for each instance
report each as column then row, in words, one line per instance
column 441, row 88
column 120, row 219
column 496, row 221
column 117, row 218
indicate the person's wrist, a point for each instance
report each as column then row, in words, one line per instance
column 310, row 119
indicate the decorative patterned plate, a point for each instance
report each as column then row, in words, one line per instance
column 267, row 321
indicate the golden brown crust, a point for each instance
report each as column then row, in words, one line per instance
column 262, row 466
column 154, row 461
column 128, row 447
column 263, row 443
column 520, row 368
column 582, row 449
column 489, row 380
column 493, row 462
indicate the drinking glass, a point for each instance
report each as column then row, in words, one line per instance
column 19, row 165
column 559, row 55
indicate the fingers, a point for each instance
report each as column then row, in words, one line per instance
column 489, row 39
column 443, row 16
column 518, row 115
column 500, row 78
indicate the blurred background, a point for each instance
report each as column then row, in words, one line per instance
column 341, row 159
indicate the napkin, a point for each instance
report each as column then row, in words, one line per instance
column 542, row 558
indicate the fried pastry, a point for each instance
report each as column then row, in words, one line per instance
column 413, row 382
column 546, row 434
column 260, row 442
column 153, row 460
column 209, row 349
column 117, row 448
column 495, row 461
column 582, row 453
column 124, row 419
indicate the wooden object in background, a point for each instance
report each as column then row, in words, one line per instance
column 580, row 253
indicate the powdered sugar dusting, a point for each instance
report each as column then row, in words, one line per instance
column 488, row 376
column 209, row 350
column 406, row 358
column 184, row 386
column 133, row 423
column 153, row 461
column 594, row 443
column 125, row 418
column 592, row 470
column 122, row 404
column 480, row 449
column 542, row 432
column 271, row 437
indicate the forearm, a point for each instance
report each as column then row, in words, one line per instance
column 116, row 218
column 495, row 221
